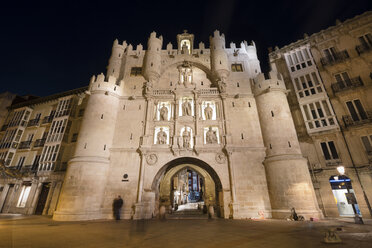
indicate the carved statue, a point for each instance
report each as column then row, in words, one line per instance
column 208, row 112
column 163, row 113
column 184, row 48
column 186, row 138
column 162, row 137
column 186, row 108
column 147, row 87
column 211, row 136
column 221, row 86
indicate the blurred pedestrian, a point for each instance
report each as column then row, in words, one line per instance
column 116, row 206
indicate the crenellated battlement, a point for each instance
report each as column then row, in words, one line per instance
column 271, row 81
column 101, row 83
column 153, row 37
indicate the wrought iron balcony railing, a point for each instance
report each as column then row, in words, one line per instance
column 349, row 121
column 25, row 144
column 39, row 142
column 335, row 58
column 363, row 48
column 33, row 122
column 347, row 84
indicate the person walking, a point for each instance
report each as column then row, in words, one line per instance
column 117, row 205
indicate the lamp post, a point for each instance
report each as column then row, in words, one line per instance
column 357, row 218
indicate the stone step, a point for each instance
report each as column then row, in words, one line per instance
column 187, row 214
column 186, row 217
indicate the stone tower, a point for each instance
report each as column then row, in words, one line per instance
column 82, row 193
column 286, row 169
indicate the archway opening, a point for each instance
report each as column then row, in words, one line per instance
column 188, row 184
column 187, row 190
column 344, row 196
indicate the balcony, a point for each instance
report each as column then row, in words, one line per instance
column 335, row 58
column 63, row 113
column 33, row 122
column 39, row 143
column 47, row 119
column 349, row 121
column 364, row 48
column 28, row 169
column 347, row 84
column 25, row 144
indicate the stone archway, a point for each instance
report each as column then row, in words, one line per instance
column 213, row 194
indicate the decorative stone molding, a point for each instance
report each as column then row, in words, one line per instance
column 220, row 158
column 151, row 158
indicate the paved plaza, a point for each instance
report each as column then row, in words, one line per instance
column 39, row 231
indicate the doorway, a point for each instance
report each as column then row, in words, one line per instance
column 42, row 199
column 8, row 197
column 344, row 196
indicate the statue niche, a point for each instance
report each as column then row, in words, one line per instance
column 163, row 113
column 211, row 136
column 161, row 137
column 186, row 108
column 185, row 74
column 186, row 137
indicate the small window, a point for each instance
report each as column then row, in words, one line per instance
column 136, row 71
column 367, row 143
column 236, row 67
column 74, row 137
column 329, row 150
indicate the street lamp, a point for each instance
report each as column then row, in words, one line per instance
column 357, row 218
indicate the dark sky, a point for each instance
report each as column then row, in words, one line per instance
column 50, row 47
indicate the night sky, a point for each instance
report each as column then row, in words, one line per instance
column 50, row 47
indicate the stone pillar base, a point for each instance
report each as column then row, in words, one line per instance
column 138, row 211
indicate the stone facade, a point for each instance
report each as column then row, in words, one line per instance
column 157, row 112
column 330, row 77
column 36, row 142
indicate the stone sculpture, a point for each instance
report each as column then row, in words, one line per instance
column 163, row 113
column 211, row 136
column 186, row 108
column 186, row 138
column 162, row 137
column 208, row 112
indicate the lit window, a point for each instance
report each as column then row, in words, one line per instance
column 236, row 67
column 136, row 71
column 23, row 197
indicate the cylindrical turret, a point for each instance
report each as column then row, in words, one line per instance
column 219, row 61
column 113, row 68
column 83, row 189
column 152, row 60
column 287, row 172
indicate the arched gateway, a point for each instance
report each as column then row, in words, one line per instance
column 164, row 117
column 203, row 185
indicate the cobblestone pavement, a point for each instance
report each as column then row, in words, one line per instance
column 40, row 231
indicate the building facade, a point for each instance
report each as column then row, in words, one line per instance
column 156, row 117
column 330, row 77
column 37, row 140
